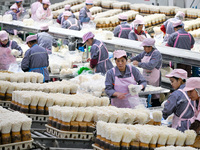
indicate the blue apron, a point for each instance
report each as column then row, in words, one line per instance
column 41, row 68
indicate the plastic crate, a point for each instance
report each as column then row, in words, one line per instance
column 68, row 134
column 17, row 146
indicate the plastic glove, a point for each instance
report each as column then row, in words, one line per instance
column 15, row 53
column 135, row 89
column 195, row 126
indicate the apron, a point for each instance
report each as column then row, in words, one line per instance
column 121, row 85
column 141, row 37
column 88, row 15
column 152, row 76
column 179, row 34
column 6, row 57
column 102, row 61
column 121, row 29
column 177, row 120
column 73, row 25
column 41, row 69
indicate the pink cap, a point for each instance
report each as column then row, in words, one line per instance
column 192, row 83
column 176, row 23
column 14, row 7
column 87, row 36
column 119, row 53
column 44, row 27
column 3, row 35
column 89, row 1
column 18, row 0
column 31, row 38
column 46, row 2
column 148, row 42
column 180, row 13
column 138, row 21
column 178, row 73
column 123, row 17
column 67, row 7
column 67, row 13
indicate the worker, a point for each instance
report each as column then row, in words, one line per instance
column 99, row 54
column 44, row 12
column 67, row 8
column 119, row 78
column 137, row 33
column 70, row 22
column 36, row 58
column 151, row 62
column 179, row 102
column 167, row 26
column 181, row 39
column 8, row 51
column 85, row 15
column 20, row 9
column 124, row 28
column 193, row 90
column 45, row 40
column 34, row 8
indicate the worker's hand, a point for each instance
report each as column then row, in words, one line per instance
column 88, row 60
column 135, row 63
column 195, row 126
column 15, row 53
column 120, row 95
column 91, row 18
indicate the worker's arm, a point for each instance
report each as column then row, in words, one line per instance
column 155, row 59
column 171, row 40
column 49, row 14
column 162, row 28
column 138, row 77
column 59, row 18
column 26, row 62
column 132, row 36
column 83, row 16
column 138, row 57
column 109, row 83
column 94, row 56
column 116, row 31
column 192, row 41
column 40, row 13
column 17, row 47
column 170, row 105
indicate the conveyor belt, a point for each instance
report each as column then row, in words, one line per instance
column 44, row 140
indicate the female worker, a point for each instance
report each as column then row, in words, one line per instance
column 44, row 12
column 99, row 54
column 137, row 33
column 34, row 8
column 122, row 30
column 167, row 26
column 151, row 61
column 85, row 15
column 179, row 102
column 67, row 8
column 69, row 22
column 36, row 58
column 20, row 9
column 8, row 51
column 119, row 78
column 193, row 90
column 45, row 39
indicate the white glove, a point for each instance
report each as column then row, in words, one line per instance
column 135, row 89
column 15, row 52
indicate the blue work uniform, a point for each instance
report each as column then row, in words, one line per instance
column 83, row 16
column 122, row 30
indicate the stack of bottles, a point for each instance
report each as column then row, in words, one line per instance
column 140, row 137
column 22, row 77
column 35, row 102
column 7, row 88
column 83, row 119
column 14, row 127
